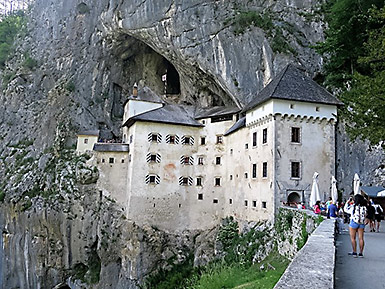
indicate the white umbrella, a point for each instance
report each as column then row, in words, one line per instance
column 314, row 195
column 334, row 192
column 356, row 184
column 381, row 194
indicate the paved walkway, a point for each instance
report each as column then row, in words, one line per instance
column 361, row 273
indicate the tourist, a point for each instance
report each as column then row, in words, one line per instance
column 378, row 214
column 370, row 215
column 358, row 213
column 317, row 207
column 332, row 210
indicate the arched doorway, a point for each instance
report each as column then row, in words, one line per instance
column 293, row 197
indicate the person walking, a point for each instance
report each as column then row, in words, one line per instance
column 378, row 215
column 358, row 213
column 370, row 215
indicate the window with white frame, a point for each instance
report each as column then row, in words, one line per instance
column 295, row 170
column 295, row 135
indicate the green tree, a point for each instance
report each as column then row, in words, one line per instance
column 365, row 99
column 354, row 49
column 348, row 26
column 9, row 27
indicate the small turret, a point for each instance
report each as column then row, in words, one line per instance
column 135, row 91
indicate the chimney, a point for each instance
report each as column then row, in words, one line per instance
column 135, row 90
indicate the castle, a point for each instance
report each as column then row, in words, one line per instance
column 183, row 167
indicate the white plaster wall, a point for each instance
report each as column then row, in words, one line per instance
column 241, row 161
column 169, row 205
column 81, row 147
column 112, row 177
column 316, row 152
column 279, row 106
column 135, row 107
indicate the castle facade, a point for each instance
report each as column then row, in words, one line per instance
column 183, row 167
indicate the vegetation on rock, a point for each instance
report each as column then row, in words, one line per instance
column 10, row 26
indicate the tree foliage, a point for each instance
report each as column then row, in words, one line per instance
column 355, row 68
column 9, row 27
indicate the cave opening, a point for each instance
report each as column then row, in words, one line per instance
column 170, row 78
column 143, row 65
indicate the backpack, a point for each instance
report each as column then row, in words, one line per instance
column 359, row 214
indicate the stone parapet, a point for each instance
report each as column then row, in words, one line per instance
column 313, row 267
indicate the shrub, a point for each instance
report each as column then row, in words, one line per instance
column 29, row 62
column 2, row 196
column 70, row 86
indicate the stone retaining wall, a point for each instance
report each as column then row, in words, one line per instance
column 313, row 267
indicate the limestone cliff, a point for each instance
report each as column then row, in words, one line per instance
column 89, row 55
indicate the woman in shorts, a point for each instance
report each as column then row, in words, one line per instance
column 358, row 213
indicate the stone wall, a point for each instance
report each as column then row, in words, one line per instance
column 313, row 266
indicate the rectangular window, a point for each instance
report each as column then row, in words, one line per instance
column 295, row 134
column 200, row 160
column 219, row 139
column 218, row 160
column 86, row 140
column 203, row 140
column 246, row 175
column 200, row 196
column 254, row 139
column 264, row 205
column 186, row 160
column 246, row 203
column 264, row 136
column 152, row 179
column 186, row 140
column 199, row 181
column 111, row 160
column 217, row 182
column 172, row 139
column 184, row 181
column 231, row 177
column 231, row 151
column 153, row 158
column 131, row 137
column 122, row 161
column 103, row 161
column 246, row 146
column 264, row 170
column 215, row 201
column 230, row 201
column 254, row 174
column 254, row 204
column 154, row 137
column 295, row 170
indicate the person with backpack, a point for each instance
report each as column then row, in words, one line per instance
column 358, row 213
column 378, row 215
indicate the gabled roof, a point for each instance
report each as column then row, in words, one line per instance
column 372, row 191
column 89, row 132
column 111, row 147
column 172, row 114
column 238, row 125
column 146, row 94
column 215, row 111
column 292, row 84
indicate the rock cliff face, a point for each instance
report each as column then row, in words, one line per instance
column 89, row 55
